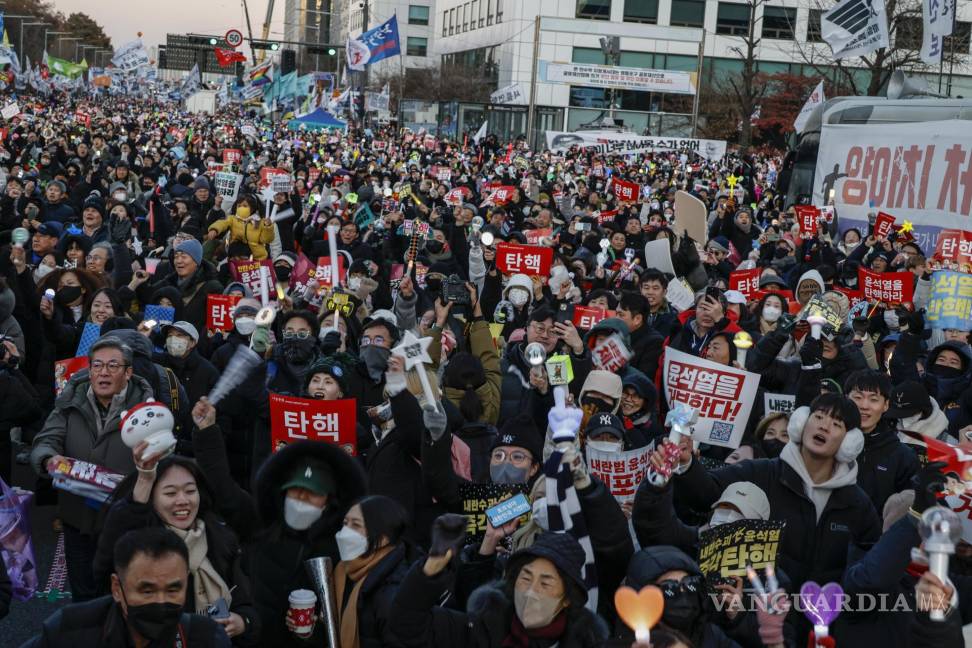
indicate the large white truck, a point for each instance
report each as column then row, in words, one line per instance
column 203, row 101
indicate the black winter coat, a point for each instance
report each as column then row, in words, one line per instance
column 376, row 597
column 886, row 465
column 646, row 345
column 196, row 374
column 418, row 620
column 100, row 623
column 782, row 375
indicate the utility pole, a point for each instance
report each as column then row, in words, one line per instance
column 531, row 112
column 364, row 72
column 698, row 87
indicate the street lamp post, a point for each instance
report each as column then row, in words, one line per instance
column 52, row 33
column 23, row 54
column 66, row 38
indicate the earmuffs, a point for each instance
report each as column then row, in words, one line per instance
column 850, row 447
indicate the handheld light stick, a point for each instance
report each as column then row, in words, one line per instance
column 415, row 351
column 940, row 529
column 536, row 355
column 681, row 418
column 743, row 342
column 19, row 236
column 264, row 285
column 332, row 234
column 816, row 323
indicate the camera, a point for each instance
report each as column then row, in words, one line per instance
column 454, row 290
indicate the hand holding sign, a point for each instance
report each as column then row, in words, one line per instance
column 415, row 351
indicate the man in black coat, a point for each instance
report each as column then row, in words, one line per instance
column 148, row 592
column 811, row 485
column 196, row 374
column 646, row 342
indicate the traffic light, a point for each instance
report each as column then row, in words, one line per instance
column 213, row 41
column 329, row 50
column 265, row 45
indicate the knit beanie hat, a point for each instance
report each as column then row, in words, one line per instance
column 193, row 248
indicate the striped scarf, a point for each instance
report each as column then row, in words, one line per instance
column 564, row 515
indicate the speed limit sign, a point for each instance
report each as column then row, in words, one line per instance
column 233, row 38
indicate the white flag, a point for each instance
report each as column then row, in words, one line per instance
column 480, row 134
column 938, row 17
column 931, row 47
column 358, row 54
column 815, row 99
column 855, row 28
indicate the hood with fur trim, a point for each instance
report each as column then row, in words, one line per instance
column 348, row 475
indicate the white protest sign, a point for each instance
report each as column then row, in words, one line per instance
column 228, row 185
column 620, row 472
column 10, row 111
column 658, row 255
column 610, row 354
column 679, row 295
column 614, row 143
column 722, row 395
column 281, row 183
column 783, row 403
column 511, row 94
column 690, row 216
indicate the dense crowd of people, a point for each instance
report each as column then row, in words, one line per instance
column 106, row 227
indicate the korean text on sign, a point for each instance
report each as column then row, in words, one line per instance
column 512, row 258
column 888, row 287
column 726, row 550
column 950, row 304
column 722, row 395
column 620, row 472
column 299, row 419
column 745, row 281
column 219, row 310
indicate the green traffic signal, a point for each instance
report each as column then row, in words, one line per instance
column 331, row 51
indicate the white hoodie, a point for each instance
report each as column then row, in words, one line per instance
column 845, row 474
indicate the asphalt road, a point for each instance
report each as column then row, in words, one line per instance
column 26, row 617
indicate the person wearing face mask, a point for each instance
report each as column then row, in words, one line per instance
column 374, row 561
column 539, row 602
column 248, row 223
column 519, row 292
column 771, row 434
column 684, row 591
column 149, row 587
column 768, row 311
column 295, row 351
column 196, row 374
column 600, row 394
column 379, row 335
column 638, row 411
column 916, row 411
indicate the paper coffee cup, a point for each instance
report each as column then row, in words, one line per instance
column 303, row 603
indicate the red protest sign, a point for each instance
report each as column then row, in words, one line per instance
column 533, row 236
column 626, row 191
column 745, row 281
column 853, row 296
column 313, row 174
column 502, row 195
column 610, row 354
column 82, row 117
column 527, row 259
column 807, row 215
column 606, row 216
column 232, row 156
column 955, row 246
column 64, row 369
column 587, row 317
column 892, row 288
column 219, row 310
column 323, row 272
column 269, row 174
column 883, row 225
column 248, row 273
column 298, row 419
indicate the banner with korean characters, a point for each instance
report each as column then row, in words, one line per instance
column 248, row 273
column 299, row 419
column 950, row 304
column 322, row 274
column 625, row 191
column 890, row 288
column 722, row 395
column 725, row 550
column 476, row 498
column 620, row 472
column 513, row 258
column 610, row 354
column 746, row 282
column 954, row 249
column 587, row 317
column 219, row 312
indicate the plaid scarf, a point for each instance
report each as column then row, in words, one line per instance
column 565, row 516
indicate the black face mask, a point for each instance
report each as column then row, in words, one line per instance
column 67, row 294
column 154, row 621
column 283, row 273
column 772, row 447
column 780, row 253
column 946, row 372
column 298, row 351
column 435, row 247
column 682, row 611
column 597, row 404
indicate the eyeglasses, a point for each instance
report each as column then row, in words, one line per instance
column 113, row 366
column 516, row 456
column 670, row 588
column 300, row 335
column 95, row 257
column 378, row 340
column 540, row 329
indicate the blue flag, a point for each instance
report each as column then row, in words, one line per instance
column 382, row 41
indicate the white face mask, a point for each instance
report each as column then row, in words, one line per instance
column 771, row 313
column 606, row 446
column 518, row 297
column 42, row 271
column 724, row 516
column 540, row 513
column 354, row 283
column 245, row 325
column 176, row 346
column 300, row 515
column 351, row 544
column 120, row 196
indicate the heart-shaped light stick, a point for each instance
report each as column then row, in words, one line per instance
column 640, row 610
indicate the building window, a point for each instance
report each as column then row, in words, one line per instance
column 489, row 12
column 452, row 21
column 445, row 23
column 499, row 11
column 473, row 10
column 465, row 17
column 688, row 13
column 778, row 23
column 418, row 15
column 733, row 19
column 417, row 46
column 959, row 40
column 594, row 9
column 813, row 26
column 482, row 12
column 641, row 11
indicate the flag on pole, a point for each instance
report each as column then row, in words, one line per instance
column 855, row 28
column 480, row 134
column 380, row 43
column 815, row 99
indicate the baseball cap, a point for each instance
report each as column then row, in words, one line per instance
column 312, row 475
column 909, row 398
column 748, row 498
column 735, row 297
column 50, row 228
column 604, row 422
column 182, row 327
